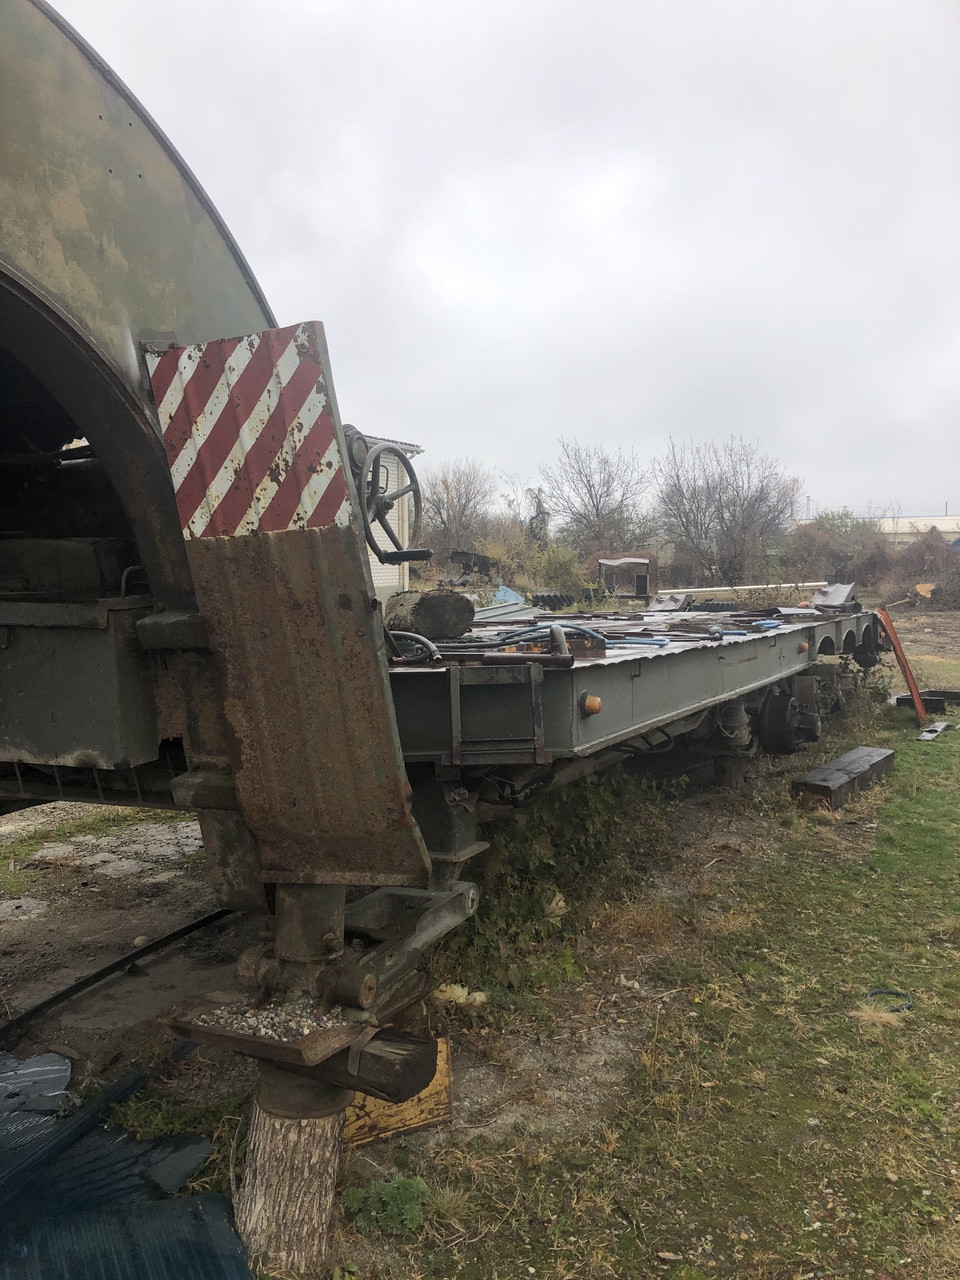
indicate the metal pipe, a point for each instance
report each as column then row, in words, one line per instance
column 537, row 633
column 413, row 638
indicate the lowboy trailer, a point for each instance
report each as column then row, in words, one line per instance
column 187, row 616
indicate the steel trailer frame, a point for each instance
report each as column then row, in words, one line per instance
column 473, row 716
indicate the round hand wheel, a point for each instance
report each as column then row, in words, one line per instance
column 376, row 506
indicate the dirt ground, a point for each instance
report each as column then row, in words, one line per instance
column 79, row 888
column 928, row 636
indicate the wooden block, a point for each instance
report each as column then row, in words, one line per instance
column 837, row 781
column 394, row 1066
column 369, row 1119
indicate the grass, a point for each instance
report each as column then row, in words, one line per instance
column 159, row 1110
column 777, row 1122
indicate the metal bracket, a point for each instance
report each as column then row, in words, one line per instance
column 404, row 923
column 358, row 1046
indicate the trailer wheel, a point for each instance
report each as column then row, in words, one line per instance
column 779, row 724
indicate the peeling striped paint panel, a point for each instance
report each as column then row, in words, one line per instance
column 249, row 433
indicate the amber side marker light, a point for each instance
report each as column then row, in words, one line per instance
column 590, row 704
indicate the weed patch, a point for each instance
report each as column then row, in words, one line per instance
column 543, row 873
column 393, row 1205
column 160, row 1110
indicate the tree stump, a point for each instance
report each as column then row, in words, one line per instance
column 285, row 1207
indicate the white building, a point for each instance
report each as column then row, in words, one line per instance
column 898, row 531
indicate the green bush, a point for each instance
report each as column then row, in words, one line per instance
column 392, row 1206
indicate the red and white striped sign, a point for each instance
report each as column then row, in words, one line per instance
column 248, row 429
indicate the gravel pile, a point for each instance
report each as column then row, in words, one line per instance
column 289, row 1022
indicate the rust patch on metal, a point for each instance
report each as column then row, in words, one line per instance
column 309, row 1051
column 319, row 772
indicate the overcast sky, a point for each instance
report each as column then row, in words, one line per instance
column 616, row 221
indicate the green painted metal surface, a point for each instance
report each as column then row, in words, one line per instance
column 75, row 688
column 98, row 214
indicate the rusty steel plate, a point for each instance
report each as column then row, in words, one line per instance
column 270, row 518
column 309, row 1051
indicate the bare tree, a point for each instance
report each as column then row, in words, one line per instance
column 519, row 541
column 595, row 496
column 725, row 502
column 457, row 503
